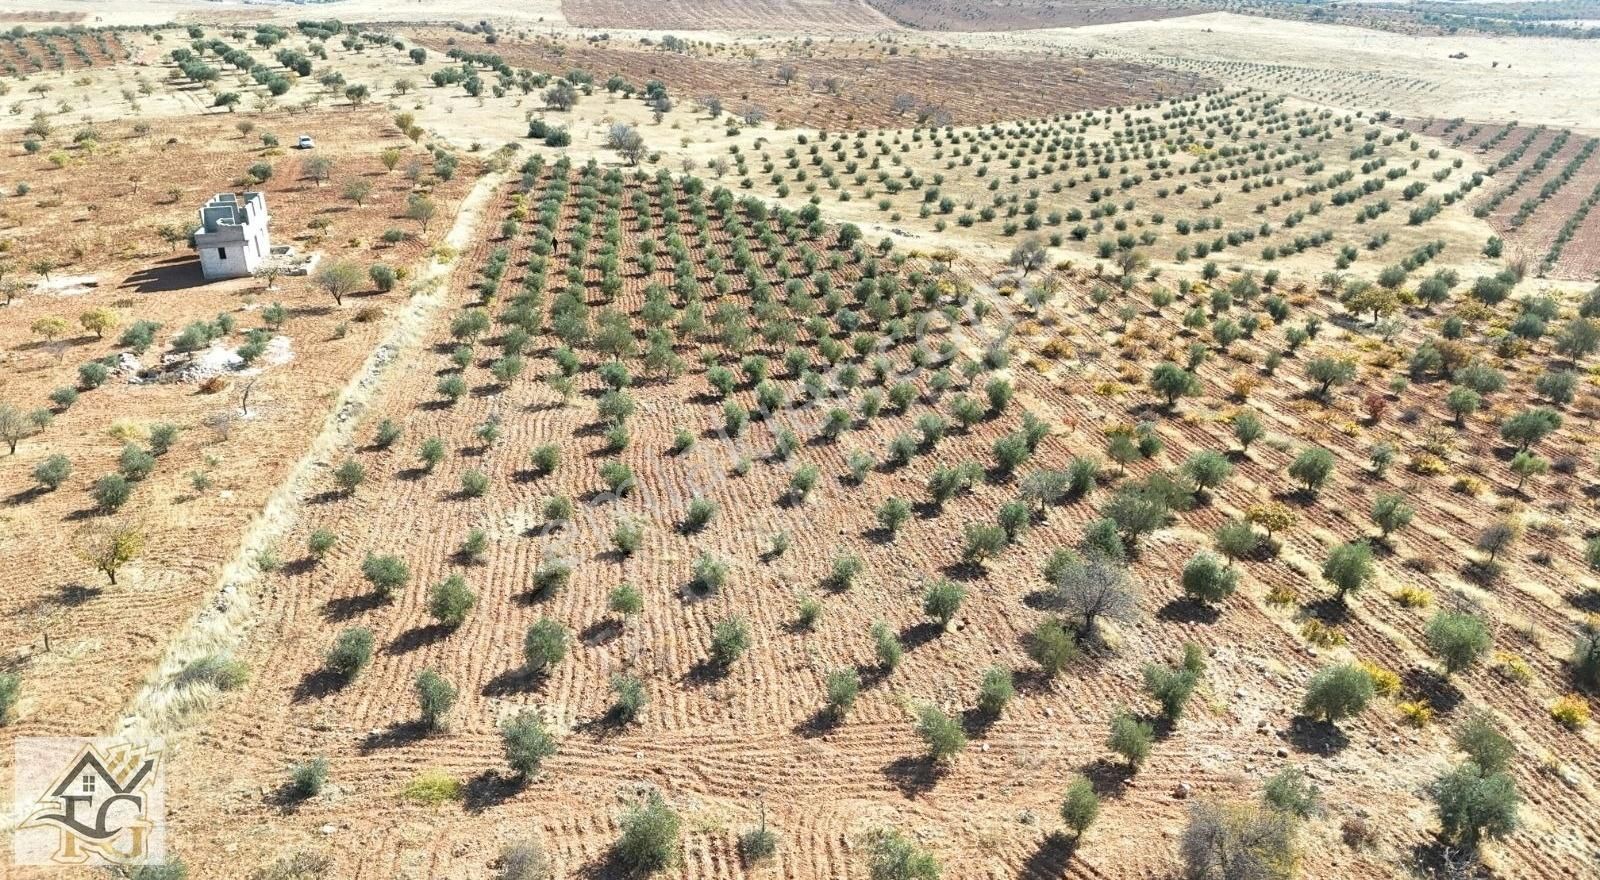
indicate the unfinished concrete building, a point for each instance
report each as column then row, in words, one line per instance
column 232, row 239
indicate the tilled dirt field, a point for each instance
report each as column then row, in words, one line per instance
column 97, row 220
column 804, row 16
column 1007, row 15
column 831, row 93
column 719, row 743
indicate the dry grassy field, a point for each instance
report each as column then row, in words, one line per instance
column 741, row 440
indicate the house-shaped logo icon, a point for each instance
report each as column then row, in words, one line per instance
column 101, row 803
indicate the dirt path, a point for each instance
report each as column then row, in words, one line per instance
column 167, row 698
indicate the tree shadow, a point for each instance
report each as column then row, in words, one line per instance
column 517, row 680
column 398, row 736
column 601, row 632
column 918, row 634
column 913, row 775
column 1588, row 601
column 418, row 637
column 317, row 684
column 346, row 607
column 1328, row 609
column 704, row 672
column 489, row 789
column 1109, row 778
column 1317, row 737
column 1433, row 688
column 74, row 594
column 977, row 722
column 1436, row 860
column 816, row 724
column 1051, row 858
column 1183, row 609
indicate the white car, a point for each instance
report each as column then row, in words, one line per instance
column 305, row 142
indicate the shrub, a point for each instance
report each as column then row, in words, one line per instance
column 217, row 670
column 1474, row 804
column 544, row 645
column 1207, row 580
column 64, row 397
column 995, row 691
column 1458, row 640
column 527, row 742
column 710, row 573
column 546, row 458
column 1053, row 647
column 1312, row 468
column 1337, row 692
column 940, row 733
column 431, row 453
column 625, row 600
column 306, row 779
column 10, row 689
column 387, row 574
column 111, row 492
column 808, row 611
column 1289, row 791
column 1238, row 841
column 526, row 860
column 843, row 685
column 1079, row 805
column 1348, row 567
column 349, row 475
column 897, row 857
column 93, row 374
column 474, row 483
column 892, row 514
column 351, row 652
column 52, row 472
column 886, row 646
column 430, row 788
column 630, row 697
column 942, row 600
column 700, row 512
column 1484, row 743
column 1130, row 738
column 1170, row 687
column 451, row 601
column 1570, row 711
column 649, row 840
column 387, row 434
column 435, row 697
column 729, row 639
column 760, row 843
column 135, row 463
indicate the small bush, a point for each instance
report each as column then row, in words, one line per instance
column 1337, row 692
column 730, row 638
column 1130, row 738
column 52, row 472
column 1570, row 711
column 217, row 670
column 435, row 698
column 995, row 691
column 1080, row 805
column 451, row 601
column 351, row 652
column 527, row 742
column 630, row 697
column 843, row 686
column 544, row 645
column 432, row 788
column 474, row 483
column 649, row 840
column 940, row 733
column 307, row 779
